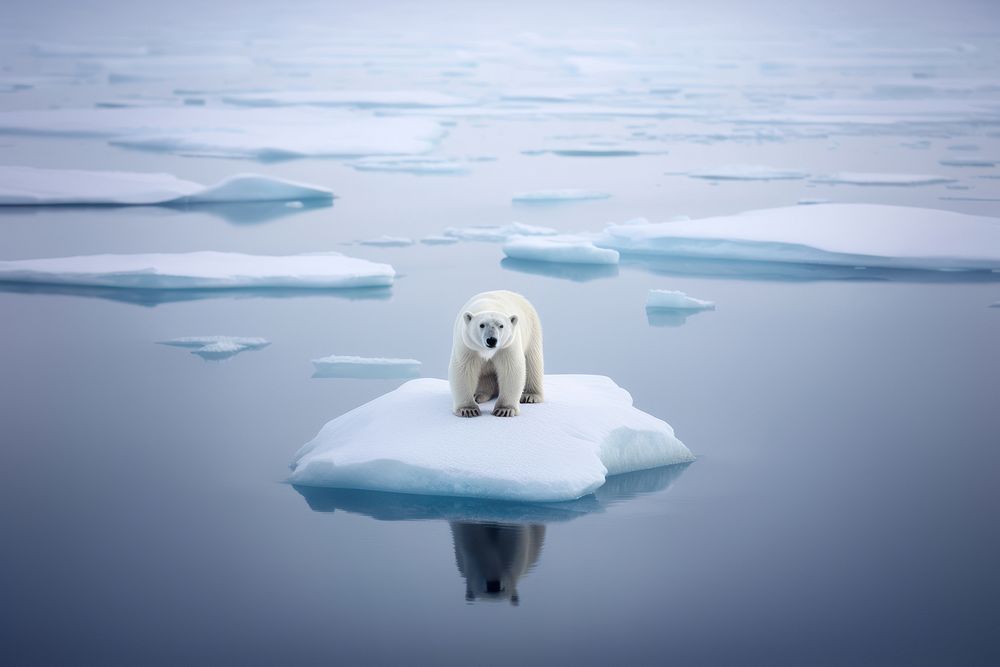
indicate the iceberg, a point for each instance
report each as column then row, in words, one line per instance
column 263, row 134
column 217, row 348
column 408, row 441
column 200, row 270
column 337, row 366
column 564, row 249
column 748, row 173
column 559, row 195
column 386, row 241
column 673, row 300
column 497, row 233
column 903, row 180
column 851, row 235
column 362, row 99
column 31, row 186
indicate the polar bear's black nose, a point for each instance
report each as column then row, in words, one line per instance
column 491, row 342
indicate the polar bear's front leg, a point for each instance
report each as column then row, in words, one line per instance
column 510, row 370
column 463, row 376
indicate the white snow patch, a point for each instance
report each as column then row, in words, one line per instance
column 198, row 270
column 338, row 366
column 30, row 186
column 217, row 347
column 858, row 178
column 497, row 233
column 408, row 441
column 562, row 194
column 750, row 172
column 567, row 249
column 670, row 299
column 838, row 234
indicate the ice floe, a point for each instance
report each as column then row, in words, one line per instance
column 839, row 234
column 439, row 240
column 563, row 248
column 386, row 241
column 339, row 366
column 362, row 99
column 752, row 172
column 217, row 348
column 233, row 133
column 30, row 186
column 674, row 300
column 200, row 270
column 858, row 178
column 411, row 165
column 558, row 195
column 408, row 441
column 497, row 233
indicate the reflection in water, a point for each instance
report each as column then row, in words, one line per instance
column 236, row 213
column 496, row 542
column 155, row 297
column 492, row 557
column 576, row 272
column 787, row 271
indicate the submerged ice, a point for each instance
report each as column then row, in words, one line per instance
column 408, row 441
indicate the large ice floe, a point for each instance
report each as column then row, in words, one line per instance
column 234, row 133
column 866, row 235
column 567, row 249
column 30, row 186
column 217, row 348
column 200, row 270
column 342, row 366
column 408, row 441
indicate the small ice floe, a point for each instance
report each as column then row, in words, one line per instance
column 749, row 172
column 566, row 249
column 674, row 300
column 497, row 233
column 970, row 162
column 200, row 270
column 898, row 180
column 439, row 240
column 30, row 186
column 409, row 441
column 362, row 99
column 337, row 366
column 411, row 165
column 217, row 348
column 386, row 241
column 867, row 235
column 559, row 195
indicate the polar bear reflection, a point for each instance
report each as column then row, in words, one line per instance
column 494, row 556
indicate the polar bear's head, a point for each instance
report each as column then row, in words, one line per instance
column 488, row 331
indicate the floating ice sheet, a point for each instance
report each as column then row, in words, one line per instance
column 30, row 186
column 497, row 233
column 752, row 172
column 563, row 249
column 408, row 441
column 200, row 270
column 217, row 348
column 674, row 300
column 841, row 234
column 558, row 195
column 903, row 180
column 233, row 133
column 338, row 366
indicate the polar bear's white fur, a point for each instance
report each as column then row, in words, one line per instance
column 496, row 353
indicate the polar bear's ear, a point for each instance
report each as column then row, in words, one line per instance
column 513, row 320
column 468, row 317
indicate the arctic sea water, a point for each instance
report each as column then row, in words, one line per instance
column 843, row 507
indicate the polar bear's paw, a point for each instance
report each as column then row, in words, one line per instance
column 468, row 411
column 505, row 411
column 531, row 398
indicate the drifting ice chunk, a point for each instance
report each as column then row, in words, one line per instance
column 669, row 299
column 497, row 234
column 28, row 186
column 854, row 178
column 233, row 133
column 839, row 234
column 388, row 241
column 564, row 194
column 199, row 270
column 748, row 173
column 411, row 165
column 408, row 441
column 439, row 240
column 336, row 366
column 365, row 99
column 563, row 249
column 216, row 348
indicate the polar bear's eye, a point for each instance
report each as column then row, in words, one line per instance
column 482, row 326
column 501, row 326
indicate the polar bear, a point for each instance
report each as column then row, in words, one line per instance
column 496, row 353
